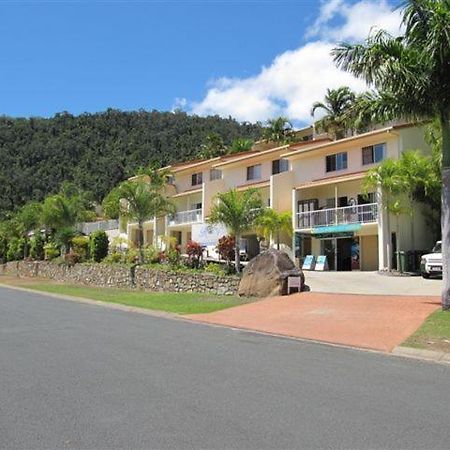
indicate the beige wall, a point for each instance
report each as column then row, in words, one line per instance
column 281, row 191
column 369, row 252
column 310, row 166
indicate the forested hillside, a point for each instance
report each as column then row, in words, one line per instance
column 96, row 151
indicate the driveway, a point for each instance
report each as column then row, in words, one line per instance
column 377, row 322
column 371, row 283
column 78, row 376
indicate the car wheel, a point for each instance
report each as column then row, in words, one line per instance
column 425, row 275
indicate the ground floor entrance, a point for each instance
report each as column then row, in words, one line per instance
column 342, row 252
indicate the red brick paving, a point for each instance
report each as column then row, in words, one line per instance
column 376, row 322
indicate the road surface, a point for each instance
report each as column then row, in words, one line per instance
column 78, row 376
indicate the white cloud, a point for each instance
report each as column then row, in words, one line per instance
column 297, row 78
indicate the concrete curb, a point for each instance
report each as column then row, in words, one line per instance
column 417, row 353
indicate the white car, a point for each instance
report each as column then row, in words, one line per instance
column 431, row 264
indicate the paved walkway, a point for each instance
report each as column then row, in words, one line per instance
column 368, row 321
column 371, row 283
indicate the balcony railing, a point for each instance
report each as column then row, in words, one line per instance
column 336, row 216
column 182, row 217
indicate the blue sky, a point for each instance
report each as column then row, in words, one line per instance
column 201, row 55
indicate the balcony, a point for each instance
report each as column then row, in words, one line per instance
column 358, row 214
column 186, row 217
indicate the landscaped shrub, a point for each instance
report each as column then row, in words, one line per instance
column 151, row 254
column 37, row 247
column 72, row 258
column 15, row 250
column 99, row 243
column 51, row 251
column 114, row 258
column 80, row 246
column 3, row 248
column 215, row 269
column 225, row 247
column 195, row 253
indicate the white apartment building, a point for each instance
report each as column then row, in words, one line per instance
column 320, row 182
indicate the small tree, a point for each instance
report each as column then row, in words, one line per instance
column 272, row 224
column 225, row 247
column 143, row 201
column 238, row 211
column 99, row 243
column 337, row 105
column 37, row 246
column 195, row 252
column 278, row 130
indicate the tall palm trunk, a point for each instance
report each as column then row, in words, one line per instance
column 141, row 242
column 237, row 253
column 445, row 215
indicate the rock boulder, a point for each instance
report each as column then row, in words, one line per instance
column 266, row 275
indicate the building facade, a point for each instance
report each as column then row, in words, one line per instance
column 321, row 182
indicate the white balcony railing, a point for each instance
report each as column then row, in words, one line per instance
column 336, row 216
column 183, row 217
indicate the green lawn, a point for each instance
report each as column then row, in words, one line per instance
column 179, row 303
column 434, row 334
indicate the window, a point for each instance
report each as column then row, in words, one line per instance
column 215, row 174
column 196, row 206
column 335, row 162
column 280, row 165
column 254, row 172
column 197, row 178
column 373, row 154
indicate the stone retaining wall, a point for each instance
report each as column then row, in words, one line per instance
column 107, row 275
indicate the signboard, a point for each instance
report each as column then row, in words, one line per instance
column 321, row 263
column 207, row 235
column 308, row 263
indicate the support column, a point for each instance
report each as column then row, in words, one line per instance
column 384, row 238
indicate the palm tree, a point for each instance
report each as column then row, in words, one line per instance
column 337, row 104
column 278, row 130
column 411, row 78
column 238, row 211
column 411, row 178
column 143, row 201
column 240, row 145
column 272, row 224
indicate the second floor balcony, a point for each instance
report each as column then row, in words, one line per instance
column 358, row 214
column 186, row 217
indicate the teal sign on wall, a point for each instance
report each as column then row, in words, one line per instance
column 343, row 228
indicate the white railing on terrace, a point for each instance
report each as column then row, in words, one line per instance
column 181, row 217
column 335, row 216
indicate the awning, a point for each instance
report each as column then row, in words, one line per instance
column 337, row 229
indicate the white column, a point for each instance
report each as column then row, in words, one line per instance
column 384, row 238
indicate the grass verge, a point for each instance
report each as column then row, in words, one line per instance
column 173, row 302
column 434, row 334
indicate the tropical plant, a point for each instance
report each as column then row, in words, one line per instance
column 195, row 253
column 37, row 246
column 226, row 248
column 238, row 211
column 272, row 225
column 278, row 130
column 337, row 104
column 142, row 202
column 240, row 145
column 411, row 79
column 413, row 177
column 98, row 245
column 27, row 219
column 80, row 246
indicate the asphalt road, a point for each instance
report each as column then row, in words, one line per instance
column 81, row 376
